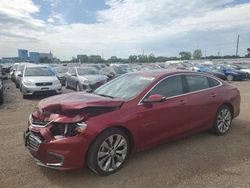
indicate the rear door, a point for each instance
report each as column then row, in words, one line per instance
column 201, row 100
column 161, row 120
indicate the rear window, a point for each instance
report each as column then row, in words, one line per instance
column 197, row 82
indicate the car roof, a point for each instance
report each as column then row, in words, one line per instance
column 161, row 72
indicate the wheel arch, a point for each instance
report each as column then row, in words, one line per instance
column 230, row 106
column 124, row 129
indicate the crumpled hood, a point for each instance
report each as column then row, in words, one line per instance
column 76, row 101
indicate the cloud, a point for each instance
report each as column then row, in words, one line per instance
column 163, row 27
column 57, row 18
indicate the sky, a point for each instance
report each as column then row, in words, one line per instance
column 124, row 27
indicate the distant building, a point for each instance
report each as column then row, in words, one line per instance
column 23, row 54
column 36, row 57
column 10, row 59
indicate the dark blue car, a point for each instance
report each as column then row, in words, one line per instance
column 232, row 74
column 211, row 70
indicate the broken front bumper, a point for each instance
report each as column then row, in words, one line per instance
column 61, row 154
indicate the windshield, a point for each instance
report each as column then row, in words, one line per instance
column 120, row 69
column 61, row 69
column 38, row 71
column 87, row 71
column 20, row 68
column 125, row 87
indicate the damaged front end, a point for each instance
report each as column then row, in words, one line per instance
column 56, row 136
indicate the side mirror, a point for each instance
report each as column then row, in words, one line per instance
column 154, row 98
column 73, row 74
column 20, row 75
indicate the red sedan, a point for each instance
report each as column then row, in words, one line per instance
column 130, row 113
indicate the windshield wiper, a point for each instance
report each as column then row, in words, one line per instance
column 103, row 95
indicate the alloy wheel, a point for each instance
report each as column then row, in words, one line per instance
column 224, row 120
column 230, row 78
column 112, row 153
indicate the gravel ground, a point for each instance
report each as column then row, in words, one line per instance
column 201, row 160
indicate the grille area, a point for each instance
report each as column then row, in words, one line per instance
column 45, row 92
column 44, row 84
column 33, row 142
column 41, row 123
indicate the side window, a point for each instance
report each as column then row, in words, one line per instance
column 213, row 82
column 169, row 87
column 197, row 82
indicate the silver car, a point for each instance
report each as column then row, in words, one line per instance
column 39, row 80
column 84, row 78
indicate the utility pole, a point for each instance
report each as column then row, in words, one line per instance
column 237, row 45
column 219, row 52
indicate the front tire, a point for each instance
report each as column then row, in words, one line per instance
column 223, row 120
column 66, row 84
column 109, row 152
column 78, row 88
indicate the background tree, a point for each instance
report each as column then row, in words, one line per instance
column 151, row 58
column 82, row 58
column 132, row 58
column 95, row 59
column 248, row 52
column 114, row 59
column 185, row 55
column 142, row 58
column 197, row 54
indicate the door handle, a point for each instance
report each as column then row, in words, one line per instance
column 213, row 94
column 182, row 102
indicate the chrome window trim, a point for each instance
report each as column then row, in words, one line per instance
column 181, row 74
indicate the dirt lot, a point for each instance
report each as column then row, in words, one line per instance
column 202, row 160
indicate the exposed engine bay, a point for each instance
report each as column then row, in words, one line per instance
column 55, row 124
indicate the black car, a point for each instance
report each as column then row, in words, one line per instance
column 4, row 72
column 1, row 86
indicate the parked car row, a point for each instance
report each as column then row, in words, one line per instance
column 1, row 85
column 88, row 77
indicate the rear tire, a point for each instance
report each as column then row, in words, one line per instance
column 66, row 84
column 230, row 77
column 25, row 96
column 223, row 120
column 1, row 98
column 109, row 152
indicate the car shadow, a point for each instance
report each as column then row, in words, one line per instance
column 197, row 154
